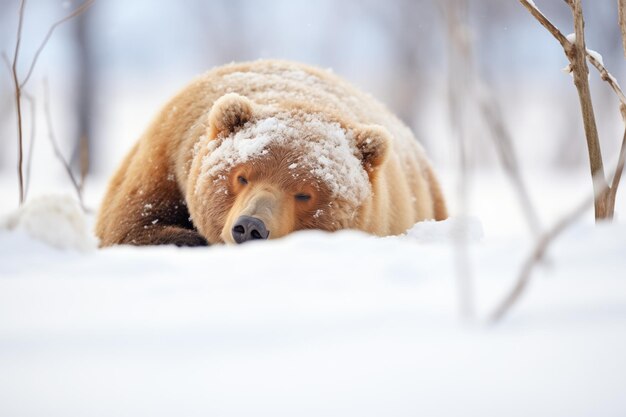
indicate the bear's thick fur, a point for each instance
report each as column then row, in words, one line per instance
column 273, row 144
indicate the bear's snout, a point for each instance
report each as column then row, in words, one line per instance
column 249, row 228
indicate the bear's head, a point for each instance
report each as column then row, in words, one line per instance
column 262, row 172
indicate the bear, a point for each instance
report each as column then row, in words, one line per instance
column 258, row 150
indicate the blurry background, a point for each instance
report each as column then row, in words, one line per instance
column 110, row 70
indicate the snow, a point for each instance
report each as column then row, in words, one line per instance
column 328, row 152
column 313, row 324
column 571, row 38
column 596, row 56
column 453, row 229
column 54, row 219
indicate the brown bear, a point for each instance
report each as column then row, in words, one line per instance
column 258, row 150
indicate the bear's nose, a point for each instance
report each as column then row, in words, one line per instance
column 249, row 228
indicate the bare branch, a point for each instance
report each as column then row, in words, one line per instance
column 548, row 237
column 535, row 257
column 618, row 171
column 18, row 102
column 18, row 39
column 57, row 150
column 506, row 152
column 577, row 55
column 621, row 6
column 83, row 152
column 80, row 9
column 33, row 135
column 606, row 76
column 459, row 56
column 546, row 23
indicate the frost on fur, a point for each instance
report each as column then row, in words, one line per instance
column 229, row 113
column 372, row 141
column 325, row 151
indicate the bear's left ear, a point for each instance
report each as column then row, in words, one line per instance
column 372, row 141
column 229, row 112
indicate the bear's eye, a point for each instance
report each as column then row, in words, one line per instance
column 303, row 197
column 242, row 180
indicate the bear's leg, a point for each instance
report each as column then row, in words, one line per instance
column 157, row 216
column 164, row 235
column 146, row 209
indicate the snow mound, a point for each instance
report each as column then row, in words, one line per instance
column 54, row 219
column 449, row 230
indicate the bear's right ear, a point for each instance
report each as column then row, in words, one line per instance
column 229, row 112
column 372, row 142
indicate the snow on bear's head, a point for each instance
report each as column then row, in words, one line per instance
column 263, row 173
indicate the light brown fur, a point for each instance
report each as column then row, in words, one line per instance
column 159, row 194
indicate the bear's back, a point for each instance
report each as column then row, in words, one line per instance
column 286, row 85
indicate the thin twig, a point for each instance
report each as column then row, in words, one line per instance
column 33, row 135
column 621, row 7
column 618, row 171
column 18, row 101
column 535, row 257
column 506, row 153
column 19, row 86
column 606, row 76
column 603, row 194
column 80, row 9
column 83, row 152
column 459, row 53
column 546, row 23
column 577, row 54
column 33, row 129
column 55, row 146
column 543, row 244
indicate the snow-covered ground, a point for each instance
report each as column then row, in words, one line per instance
column 316, row 324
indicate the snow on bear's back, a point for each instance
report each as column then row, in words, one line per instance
column 283, row 84
column 279, row 82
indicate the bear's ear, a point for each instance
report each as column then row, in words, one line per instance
column 372, row 141
column 229, row 112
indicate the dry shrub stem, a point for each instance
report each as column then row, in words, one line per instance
column 31, row 146
column 18, row 101
column 57, row 151
column 621, row 6
column 535, row 257
column 577, row 54
column 79, row 10
column 547, row 238
column 506, row 152
column 19, row 85
column 460, row 56
column 604, row 195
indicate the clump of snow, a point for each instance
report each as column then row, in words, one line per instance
column 567, row 69
column 449, row 230
column 596, row 56
column 571, row 38
column 532, row 3
column 54, row 219
column 326, row 151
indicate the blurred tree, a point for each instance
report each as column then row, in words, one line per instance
column 85, row 82
column 223, row 23
column 412, row 50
